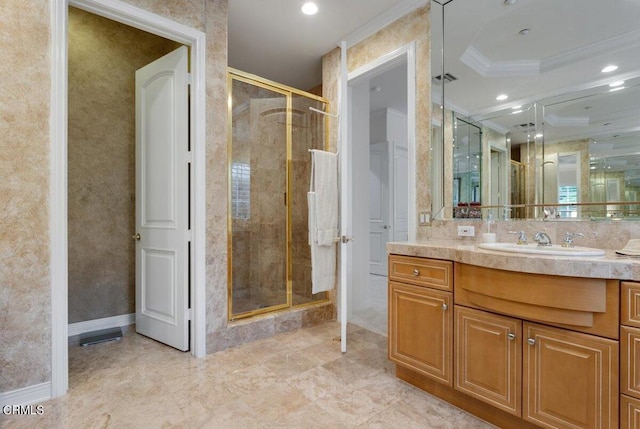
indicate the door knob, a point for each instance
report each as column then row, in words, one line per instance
column 136, row 237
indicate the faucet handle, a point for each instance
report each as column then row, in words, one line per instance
column 568, row 238
column 522, row 236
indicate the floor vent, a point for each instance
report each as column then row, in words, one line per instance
column 104, row 335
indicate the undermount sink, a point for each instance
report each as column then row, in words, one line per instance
column 533, row 248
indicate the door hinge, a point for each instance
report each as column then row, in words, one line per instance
column 189, row 79
column 189, row 235
column 187, row 315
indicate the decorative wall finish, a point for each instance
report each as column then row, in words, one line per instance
column 101, row 161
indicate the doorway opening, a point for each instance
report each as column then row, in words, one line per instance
column 382, row 128
column 60, row 214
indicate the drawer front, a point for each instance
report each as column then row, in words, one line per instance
column 629, row 412
column 432, row 273
column 630, row 308
column 630, row 366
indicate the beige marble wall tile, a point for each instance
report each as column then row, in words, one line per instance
column 24, row 191
column 101, row 161
column 415, row 26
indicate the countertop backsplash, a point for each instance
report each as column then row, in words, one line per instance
column 612, row 235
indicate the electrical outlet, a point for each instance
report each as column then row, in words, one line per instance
column 466, row 231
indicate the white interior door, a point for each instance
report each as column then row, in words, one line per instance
column 162, row 200
column 379, row 206
column 399, row 195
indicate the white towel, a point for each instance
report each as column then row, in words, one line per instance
column 323, row 219
column 323, row 258
column 324, row 182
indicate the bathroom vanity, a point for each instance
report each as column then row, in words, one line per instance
column 518, row 340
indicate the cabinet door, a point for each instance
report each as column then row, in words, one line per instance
column 569, row 379
column 630, row 367
column 629, row 412
column 420, row 330
column 488, row 358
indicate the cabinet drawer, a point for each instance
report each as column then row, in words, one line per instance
column 421, row 271
column 630, row 366
column 629, row 412
column 630, row 308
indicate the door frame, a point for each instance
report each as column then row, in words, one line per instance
column 163, row 27
column 380, row 64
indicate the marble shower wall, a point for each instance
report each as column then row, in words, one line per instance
column 101, row 161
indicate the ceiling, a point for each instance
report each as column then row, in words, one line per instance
column 275, row 40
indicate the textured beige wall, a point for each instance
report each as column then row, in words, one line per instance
column 24, row 190
column 103, row 58
column 414, row 26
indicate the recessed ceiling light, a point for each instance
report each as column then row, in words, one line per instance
column 516, row 107
column 502, row 97
column 516, row 111
column 617, row 88
column 539, row 136
column 309, row 8
column 609, row 69
column 524, row 32
column 616, row 83
column 376, row 89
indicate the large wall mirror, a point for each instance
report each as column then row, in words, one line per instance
column 541, row 109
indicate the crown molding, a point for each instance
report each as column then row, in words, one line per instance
column 379, row 22
column 475, row 59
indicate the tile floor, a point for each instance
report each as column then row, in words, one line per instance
column 296, row 380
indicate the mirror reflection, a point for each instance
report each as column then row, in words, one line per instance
column 544, row 125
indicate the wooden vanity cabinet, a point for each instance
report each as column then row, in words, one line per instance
column 518, row 350
column 630, row 355
column 420, row 317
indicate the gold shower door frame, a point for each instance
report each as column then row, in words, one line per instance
column 289, row 92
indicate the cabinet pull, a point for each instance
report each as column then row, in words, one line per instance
column 416, row 272
column 445, row 307
column 511, row 336
column 531, row 341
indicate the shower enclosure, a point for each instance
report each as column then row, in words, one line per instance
column 272, row 130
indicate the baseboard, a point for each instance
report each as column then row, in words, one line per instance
column 98, row 324
column 27, row 395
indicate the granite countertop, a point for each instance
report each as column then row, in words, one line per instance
column 609, row 266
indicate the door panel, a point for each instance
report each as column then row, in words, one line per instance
column 555, row 359
column 378, row 208
column 161, row 213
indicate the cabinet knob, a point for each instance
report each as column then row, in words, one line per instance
column 531, row 341
column 511, row 336
column 445, row 307
column 416, row 272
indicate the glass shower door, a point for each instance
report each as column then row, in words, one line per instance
column 258, row 211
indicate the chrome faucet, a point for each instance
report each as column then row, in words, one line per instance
column 568, row 238
column 522, row 237
column 542, row 238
